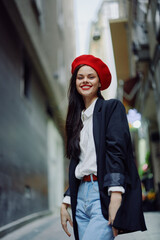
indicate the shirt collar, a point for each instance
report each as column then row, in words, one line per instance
column 89, row 111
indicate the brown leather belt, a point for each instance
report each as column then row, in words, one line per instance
column 87, row 178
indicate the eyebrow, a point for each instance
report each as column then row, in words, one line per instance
column 80, row 74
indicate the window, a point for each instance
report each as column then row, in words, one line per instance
column 26, row 78
column 37, row 7
column 60, row 18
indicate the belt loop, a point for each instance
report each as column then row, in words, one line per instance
column 91, row 176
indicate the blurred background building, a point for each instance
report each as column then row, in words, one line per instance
column 134, row 27
column 37, row 46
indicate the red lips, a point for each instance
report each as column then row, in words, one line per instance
column 86, row 87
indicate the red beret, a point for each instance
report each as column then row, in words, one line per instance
column 98, row 65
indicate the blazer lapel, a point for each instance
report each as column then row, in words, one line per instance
column 97, row 123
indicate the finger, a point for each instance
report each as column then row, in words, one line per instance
column 115, row 231
column 71, row 223
column 109, row 221
column 66, row 229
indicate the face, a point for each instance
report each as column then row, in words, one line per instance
column 87, row 82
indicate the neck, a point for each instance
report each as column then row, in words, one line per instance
column 88, row 101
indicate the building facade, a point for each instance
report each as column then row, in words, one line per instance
column 105, row 37
column 37, row 45
column 134, row 28
column 145, row 42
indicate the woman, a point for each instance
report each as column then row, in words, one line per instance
column 104, row 187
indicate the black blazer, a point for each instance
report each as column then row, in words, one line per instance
column 115, row 167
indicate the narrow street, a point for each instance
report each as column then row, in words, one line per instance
column 49, row 228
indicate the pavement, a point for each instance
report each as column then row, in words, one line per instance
column 49, row 228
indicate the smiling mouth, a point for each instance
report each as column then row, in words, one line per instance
column 86, row 87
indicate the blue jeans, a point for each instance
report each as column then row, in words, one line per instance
column 91, row 223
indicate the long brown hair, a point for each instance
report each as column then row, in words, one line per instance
column 73, row 121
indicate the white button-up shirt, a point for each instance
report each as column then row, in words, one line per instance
column 87, row 164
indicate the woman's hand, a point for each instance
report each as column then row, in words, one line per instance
column 115, row 202
column 65, row 217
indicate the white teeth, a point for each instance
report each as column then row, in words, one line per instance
column 85, row 86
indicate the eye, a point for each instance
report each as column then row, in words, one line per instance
column 91, row 77
column 79, row 77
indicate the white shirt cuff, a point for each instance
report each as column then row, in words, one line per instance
column 116, row 189
column 67, row 200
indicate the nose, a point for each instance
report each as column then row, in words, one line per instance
column 85, row 80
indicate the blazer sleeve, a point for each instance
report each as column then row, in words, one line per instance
column 117, row 139
column 67, row 192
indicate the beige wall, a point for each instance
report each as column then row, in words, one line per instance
column 120, row 45
column 103, row 48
